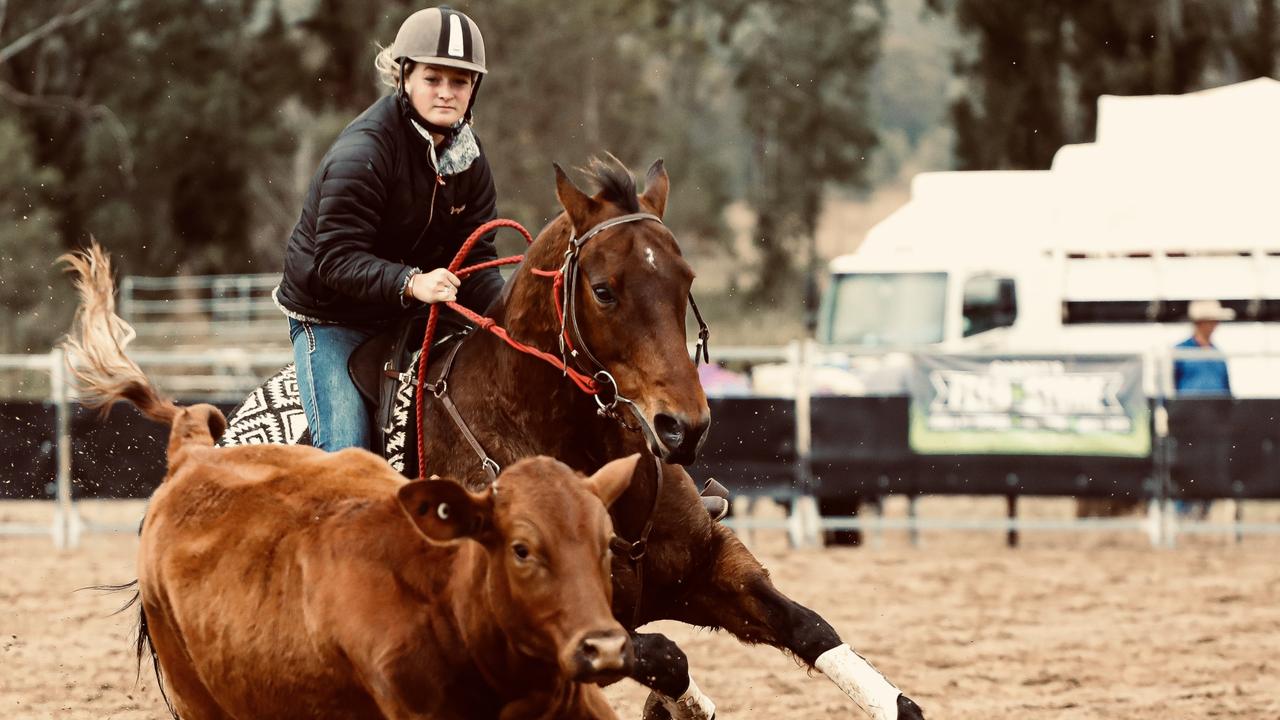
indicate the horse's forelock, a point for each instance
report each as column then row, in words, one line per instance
column 614, row 183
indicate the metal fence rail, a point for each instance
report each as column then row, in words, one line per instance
column 203, row 310
column 67, row 524
column 794, row 478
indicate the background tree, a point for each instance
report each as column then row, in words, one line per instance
column 183, row 133
column 192, row 88
column 636, row 85
column 1033, row 72
column 803, row 71
column 31, row 320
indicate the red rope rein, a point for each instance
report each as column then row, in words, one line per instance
column 584, row 382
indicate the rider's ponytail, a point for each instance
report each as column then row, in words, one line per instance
column 388, row 68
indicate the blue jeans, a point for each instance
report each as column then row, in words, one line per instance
column 336, row 412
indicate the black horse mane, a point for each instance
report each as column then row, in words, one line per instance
column 614, row 183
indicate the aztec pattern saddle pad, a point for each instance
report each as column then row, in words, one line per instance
column 273, row 414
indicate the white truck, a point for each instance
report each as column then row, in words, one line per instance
column 1177, row 200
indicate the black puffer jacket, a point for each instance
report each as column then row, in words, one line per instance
column 375, row 209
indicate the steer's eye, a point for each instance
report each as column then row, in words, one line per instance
column 520, row 551
column 603, row 294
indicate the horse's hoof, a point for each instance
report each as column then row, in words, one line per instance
column 654, row 709
column 908, row 709
column 715, row 500
column 716, row 507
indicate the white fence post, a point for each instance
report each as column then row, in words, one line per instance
column 67, row 525
column 1165, row 391
column 805, row 505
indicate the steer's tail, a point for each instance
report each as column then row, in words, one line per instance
column 104, row 374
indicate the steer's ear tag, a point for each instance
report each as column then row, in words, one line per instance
column 444, row 511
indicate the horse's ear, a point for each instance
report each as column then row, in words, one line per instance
column 656, row 187
column 578, row 204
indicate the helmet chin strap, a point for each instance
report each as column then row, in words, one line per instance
column 449, row 133
column 475, row 92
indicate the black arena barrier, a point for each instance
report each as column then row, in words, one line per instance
column 119, row 456
column 1219, row 448
column 1225, row 448
column 1036, row 475
column 28, row 452
column 858, row 447
column 751, row 446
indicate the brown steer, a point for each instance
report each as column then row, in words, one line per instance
column 286, row 582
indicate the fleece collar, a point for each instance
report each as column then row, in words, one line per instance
column 457, row 155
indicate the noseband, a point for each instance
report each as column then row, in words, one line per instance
column 572, row 345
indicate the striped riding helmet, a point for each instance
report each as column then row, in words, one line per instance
column 440, row 36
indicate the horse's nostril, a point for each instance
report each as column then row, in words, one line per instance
column 669, row 429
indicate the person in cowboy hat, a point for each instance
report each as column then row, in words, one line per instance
column 393, row 200
column 1203, row 376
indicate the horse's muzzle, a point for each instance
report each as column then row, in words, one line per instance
column 679, row 437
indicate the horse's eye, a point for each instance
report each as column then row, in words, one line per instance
column 521, row 551
column 604, row 294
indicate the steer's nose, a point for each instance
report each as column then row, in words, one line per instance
column 680, row 436
column 604, row 654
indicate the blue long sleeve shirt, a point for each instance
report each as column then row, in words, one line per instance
column 1206, row 376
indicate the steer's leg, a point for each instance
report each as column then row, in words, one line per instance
column 737, row 595
column 181, row 686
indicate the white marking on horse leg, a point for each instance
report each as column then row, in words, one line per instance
column 692, row 705
column 648, row 255
column 861, row 682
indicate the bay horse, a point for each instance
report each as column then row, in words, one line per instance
column 623, row 315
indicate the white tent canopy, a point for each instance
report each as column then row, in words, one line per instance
column 1169, row 174
column 1194, row 173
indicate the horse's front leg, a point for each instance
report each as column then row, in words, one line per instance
column 663, row 667
column 738, row 596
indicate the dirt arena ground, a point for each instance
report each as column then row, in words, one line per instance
column 1067, row 626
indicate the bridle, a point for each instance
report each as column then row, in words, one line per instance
column 576, row 360
column 572, row 345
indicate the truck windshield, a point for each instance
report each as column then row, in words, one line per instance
column 886, row 309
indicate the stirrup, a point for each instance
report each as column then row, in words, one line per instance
column 715, row 500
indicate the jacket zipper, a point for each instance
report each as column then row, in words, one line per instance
column 431, row 214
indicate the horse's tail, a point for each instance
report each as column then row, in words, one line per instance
column 104, row 375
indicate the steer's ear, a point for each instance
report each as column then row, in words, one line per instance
column 445, row 512
column 612, row 480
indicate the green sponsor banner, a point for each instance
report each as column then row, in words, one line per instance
column 1011, row 405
